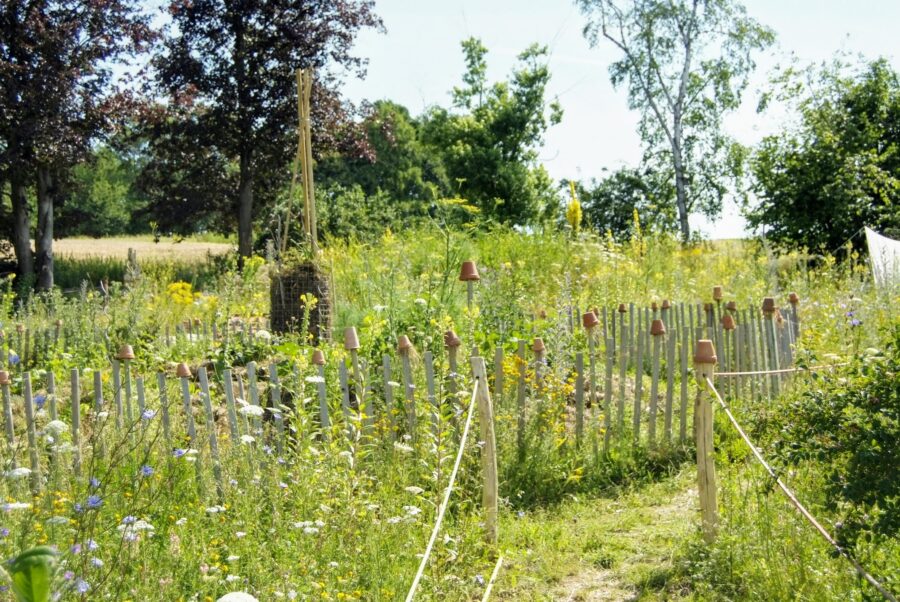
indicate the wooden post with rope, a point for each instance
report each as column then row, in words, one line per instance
column 704, row 368
column 488, row 451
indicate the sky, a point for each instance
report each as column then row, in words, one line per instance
column 418, row 60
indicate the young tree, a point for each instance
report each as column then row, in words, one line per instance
column 59, row 95
column 685, row 63
column 838, row 170
column 234, row 60
column 489, row 145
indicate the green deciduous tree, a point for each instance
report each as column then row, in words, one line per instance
column 489, row 143
column 838, row 169
column 610, row 204
column 684, row 63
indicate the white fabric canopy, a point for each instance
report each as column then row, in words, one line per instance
column 884, row 254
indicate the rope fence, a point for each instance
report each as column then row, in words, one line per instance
column 795, row 502
column 446, row 501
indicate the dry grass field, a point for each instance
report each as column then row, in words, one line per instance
column 186, row 250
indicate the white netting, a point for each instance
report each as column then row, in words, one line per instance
column 885, row 256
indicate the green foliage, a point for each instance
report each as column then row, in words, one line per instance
column 102, row 202
column 839, row 169
column 849, row 424
column 32, row 573
column 684, row 65
column 489, row 147
column 610, row 204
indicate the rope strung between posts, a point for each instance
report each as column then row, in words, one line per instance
column 782, row 371
column 446, row 501
column 490, row 585
column 800, row 507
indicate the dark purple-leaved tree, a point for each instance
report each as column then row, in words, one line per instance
column 58, row 94
column 227, row 72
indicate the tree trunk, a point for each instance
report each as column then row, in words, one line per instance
column 21, row 230
column 43, row 239
column 681, row 195
column 245, row 208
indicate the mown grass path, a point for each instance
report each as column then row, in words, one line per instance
column 621, row 546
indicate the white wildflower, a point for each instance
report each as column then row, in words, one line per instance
column 402, row 447
column 315, row 379
column 55, row 428
column 16, row 506
column 58, row 520
column 263, row 335
column 19, row 473
column 412, row 510
column 414, row 490
column 311, row 530
column 247, row 439
column 252, row 410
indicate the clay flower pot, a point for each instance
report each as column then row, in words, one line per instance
column 717, row 293
column 728, row 322
column 731, row 306
column 666, row 304
column 589, row 320
column 793, row 299
column 705, row 352
column 20, row 328
column 59, row 322
column 622, row 308
column 538, row 345
column 4, row 377
column 654, row 306
column 182, row 371
column 318, row 358
column 469, row 272
column 404, row 345
column 768, row 306
column 351, row 341
column 657, row 328
column 707, row 307
column 125, row 353
column 451, row 340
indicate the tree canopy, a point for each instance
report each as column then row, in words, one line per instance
column 684, row 64
column 838, row 169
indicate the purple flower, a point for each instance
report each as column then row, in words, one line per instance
column 68, row 575
column 855, row 322
column 39, row 400
column 129, row 520
column 96, row 562
column 92, row 545
column 94, row 482
column 849, row 314
column 4, row 532
column 13, row 359
column 146, row 471
column 79, row 508
column 148, row 414
column 82, row 586
column 178, row 452
column 76, row 549
column 94, row 502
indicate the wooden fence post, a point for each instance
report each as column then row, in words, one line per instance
column 8, row 418
column 704, row 368
column 488, row 451
column 76, row 422
column 32, row 435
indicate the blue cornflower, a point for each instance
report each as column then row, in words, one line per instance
column 128, row 520
column 82, row 586
column 13, row 358
column 146, row 470
column 97, row 562
column 68, row 575
column 75, row 549
column 94, row 502
column 4, row 532
column 39, row 400
column 78, row 507
column 179, row 452
column 148, row 414
column 94, row 482
column 92, row 545
column 855, row 322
